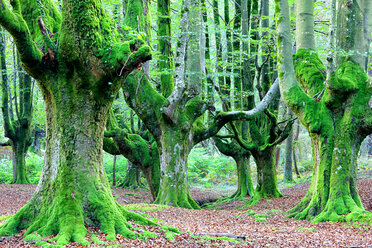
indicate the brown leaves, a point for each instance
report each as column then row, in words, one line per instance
column 276, row 232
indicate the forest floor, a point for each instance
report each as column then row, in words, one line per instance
column 263, row 225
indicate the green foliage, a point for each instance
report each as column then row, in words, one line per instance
column 6, row 171
column 209, row 170
column 34, row 165
column 121, row 167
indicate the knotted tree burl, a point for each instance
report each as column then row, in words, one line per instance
column 80, row 61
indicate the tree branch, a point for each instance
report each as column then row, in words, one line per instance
column 8, row 127
column 284, row 134
column 224, row 117
column 180, row 86
column 13, row 22
column 241, row 142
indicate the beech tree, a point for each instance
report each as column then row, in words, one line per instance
column 332, row 103
column 80, row 60
column 17, row 126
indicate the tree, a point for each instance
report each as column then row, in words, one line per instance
column 17, row 127
column 288, row 177
column 140, row 150
column 328, row 103
column 80, row 66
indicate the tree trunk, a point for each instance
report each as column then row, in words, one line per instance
column 174, row 151
column 114, row 171
column 245, row 185
column 73, row 190
column 19, row 151
column 295, row 164
column 132, row 179
column 288, row 177
column 277, row 159
column 267, row 185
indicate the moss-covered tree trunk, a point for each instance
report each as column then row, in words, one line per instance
column 17, row 127
column 340, row 107
column 288, row 175
column 132, row 177
column 19, row 151
column 78, row 81
column 174, row 151
column 243, row 170
column 245, row 185
column 267, row 186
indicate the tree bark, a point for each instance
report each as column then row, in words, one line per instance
column 267, row 185
column 17, row 128
column 174, row 150
column 132, row 178
column 288, row 176
column 341, row 109
column 78, row 82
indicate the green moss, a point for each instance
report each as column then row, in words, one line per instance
column 170, row 235
column 307, row 229
column 310, row 71
column 32, row 237
column 96, row 240
column 33, row 10
column 262, row 215
column 250, row 212
column 5, row 217
column 149, row 234
column 208, row 237
column 260, row 219
column 170, row 228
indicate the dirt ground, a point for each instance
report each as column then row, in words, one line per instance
column 258, row 226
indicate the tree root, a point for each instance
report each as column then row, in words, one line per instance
column 69, row 220
column 341, row 209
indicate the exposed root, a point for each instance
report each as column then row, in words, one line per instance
column 341, row 209
column 175, row 199
column 69, row 219
column 258, row 196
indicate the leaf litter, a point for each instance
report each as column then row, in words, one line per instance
column 263, row 225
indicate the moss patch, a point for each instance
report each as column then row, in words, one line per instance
column 170, row 235
column 96, row 240
column 32, row 238
column 307, row 229
column 260, row 219
column 5, row 217
column 208, row 237
column 149, row 234
column 146, row 207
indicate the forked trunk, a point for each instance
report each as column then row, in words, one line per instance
column 73, row 191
